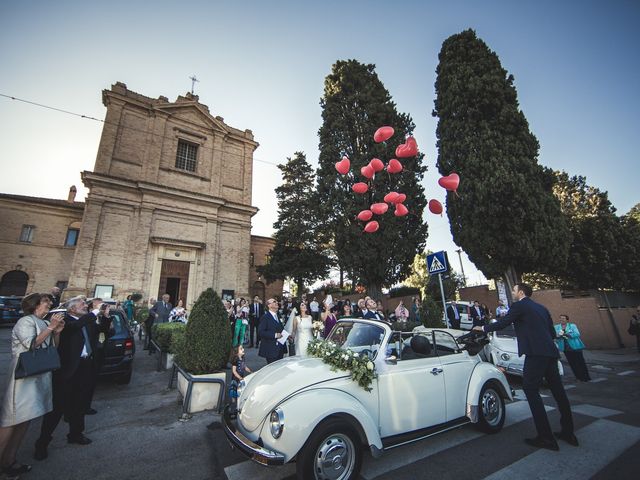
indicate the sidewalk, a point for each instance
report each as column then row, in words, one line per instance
column 627, row 355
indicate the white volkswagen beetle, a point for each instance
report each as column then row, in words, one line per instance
column 427, row 381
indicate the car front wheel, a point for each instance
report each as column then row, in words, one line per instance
column 491, row 410
column 332, row 452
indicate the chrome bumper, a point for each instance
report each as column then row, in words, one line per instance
column 250, row 449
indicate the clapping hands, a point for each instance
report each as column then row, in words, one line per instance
column 57, row 322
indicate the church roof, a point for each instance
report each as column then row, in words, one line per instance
column 45, row 201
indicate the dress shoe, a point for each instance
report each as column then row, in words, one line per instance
column 80, row 440
column 16, row 469
column 570, row 438
column 540, row 442
column 40, row 452
column 91, row 411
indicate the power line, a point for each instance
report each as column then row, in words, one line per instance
column 88, row 117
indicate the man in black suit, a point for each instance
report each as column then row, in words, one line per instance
column 255, row 313
column 453, row 315
column 99, row 332
column 370, row 310
column 270, row 330
column 476, row 314
column 535, row 334
column 72, row 382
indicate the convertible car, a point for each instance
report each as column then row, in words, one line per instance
column 426, row 381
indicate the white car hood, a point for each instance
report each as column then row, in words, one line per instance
column 276, row 381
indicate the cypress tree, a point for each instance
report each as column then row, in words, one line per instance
column 354, row 105
column 506, row 217
column 298, row 252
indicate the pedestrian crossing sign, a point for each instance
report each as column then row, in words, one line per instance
column 437, row 262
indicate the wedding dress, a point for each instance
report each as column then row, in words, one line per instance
column 304, row 334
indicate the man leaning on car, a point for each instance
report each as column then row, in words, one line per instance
column 535, row 334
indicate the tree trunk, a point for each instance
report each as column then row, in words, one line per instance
column 374, row 291
column 511, row 277
column 341, row 278
column 300, row 287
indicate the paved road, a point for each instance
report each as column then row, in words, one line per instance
column 137, row 434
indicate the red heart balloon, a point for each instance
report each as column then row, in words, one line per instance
column 383, row 134
column 360, row 187
column 407, row 149
column 371, row 227
column 401, row 210
column 401, row 198
column 435, row 207
column 450, row 182
column 343, row 165
column 391, row 197
column 367, row 171
column 379, row 208
column 365, row 215
column 394, row 166
column 376, row 164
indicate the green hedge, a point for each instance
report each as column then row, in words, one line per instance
column 166, row 335
column 403, row 291
column 206, row 344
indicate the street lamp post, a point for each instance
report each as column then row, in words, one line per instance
column 464, row 279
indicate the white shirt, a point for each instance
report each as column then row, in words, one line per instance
column 314, row 306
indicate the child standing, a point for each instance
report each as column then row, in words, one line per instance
column 239, row 367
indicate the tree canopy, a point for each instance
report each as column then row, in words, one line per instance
column 506, row 217
column 354, row 105
column 298, row 252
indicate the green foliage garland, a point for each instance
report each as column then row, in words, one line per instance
column 362, row 369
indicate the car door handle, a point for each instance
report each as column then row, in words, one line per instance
column 436, row 371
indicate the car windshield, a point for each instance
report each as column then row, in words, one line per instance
column 359, row 337
column 508, row 332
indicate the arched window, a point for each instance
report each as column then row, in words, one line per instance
column 14, row 283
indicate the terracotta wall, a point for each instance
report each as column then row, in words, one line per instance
column 597, row 325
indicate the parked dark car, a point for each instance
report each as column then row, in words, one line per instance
column 10, row 309
column 120, row 347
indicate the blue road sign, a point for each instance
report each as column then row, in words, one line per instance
column 437, row 263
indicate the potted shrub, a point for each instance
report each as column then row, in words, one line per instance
column 166, row 336
column 203, row 353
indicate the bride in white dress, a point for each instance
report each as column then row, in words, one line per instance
column 301, row 329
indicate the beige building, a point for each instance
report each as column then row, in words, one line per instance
column 168, row 210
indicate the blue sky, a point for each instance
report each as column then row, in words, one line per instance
column 262, row 66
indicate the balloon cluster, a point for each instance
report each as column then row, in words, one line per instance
column 405, row 150
column 395, row 199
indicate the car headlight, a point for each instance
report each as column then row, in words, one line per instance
column 277, row 422
column 239, row 388
column 505, row 356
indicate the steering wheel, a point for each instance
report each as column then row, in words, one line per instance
column 471, row 337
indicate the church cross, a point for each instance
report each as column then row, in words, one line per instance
column 193, row 82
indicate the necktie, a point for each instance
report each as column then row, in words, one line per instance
column 87, row 343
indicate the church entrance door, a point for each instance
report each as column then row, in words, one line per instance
column 174, row 280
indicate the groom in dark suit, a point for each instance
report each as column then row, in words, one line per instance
column 269, row 331
column 535, row 334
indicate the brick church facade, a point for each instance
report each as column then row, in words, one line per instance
column 168, row 210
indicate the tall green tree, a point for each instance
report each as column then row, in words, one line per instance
column 354, row 105
column 505, row 217
column 594, row 257
column 298, row 252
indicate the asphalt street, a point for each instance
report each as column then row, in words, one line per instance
column 138, row 434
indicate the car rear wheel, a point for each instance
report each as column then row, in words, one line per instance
column 491, row 413
column 332, row 452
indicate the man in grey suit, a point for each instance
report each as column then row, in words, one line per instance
column 162, row 309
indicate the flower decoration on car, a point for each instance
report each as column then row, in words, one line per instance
column 317, row 327
column 362, row 369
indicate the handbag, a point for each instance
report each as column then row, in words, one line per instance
column 37, row 360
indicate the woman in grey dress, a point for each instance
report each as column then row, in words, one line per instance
column 29, row 397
